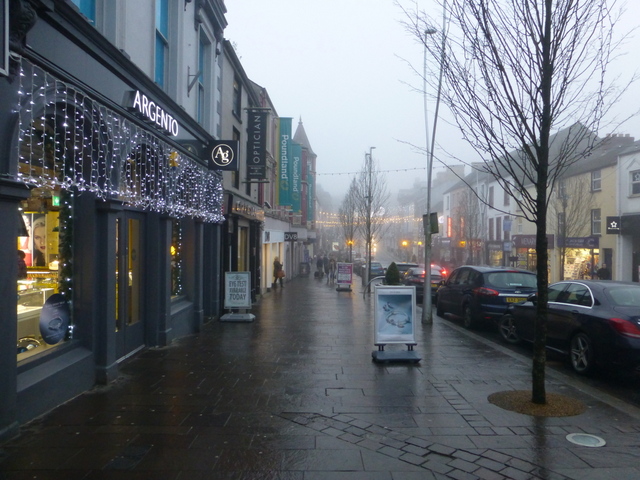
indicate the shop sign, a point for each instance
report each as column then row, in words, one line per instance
column 4, row 37
column 529, row 241
column 223, row 155
column 579, row 242
column 247, row 210
column 237, row 292
column 257, row 144
column 494, row 246
column 150, row 110
column 290, row 236
column 613, row 225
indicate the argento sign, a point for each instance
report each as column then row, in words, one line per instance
column 150, row 110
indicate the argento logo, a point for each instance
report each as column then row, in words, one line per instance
column 154, row 112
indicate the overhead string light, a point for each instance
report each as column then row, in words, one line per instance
column 69, row 140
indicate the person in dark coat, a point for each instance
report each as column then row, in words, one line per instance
column 604, row 273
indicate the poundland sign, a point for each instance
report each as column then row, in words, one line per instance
column 150, row 110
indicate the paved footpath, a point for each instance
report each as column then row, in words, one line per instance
column 295, row 395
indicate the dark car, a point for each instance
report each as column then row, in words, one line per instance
column 593, row 322
column 415, row 277
column 404, row 266
column 375, row 270
column 483, row 293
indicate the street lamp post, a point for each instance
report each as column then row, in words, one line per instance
column 427, row 316
column 369, row 203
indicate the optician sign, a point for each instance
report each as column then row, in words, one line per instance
column 150, row 110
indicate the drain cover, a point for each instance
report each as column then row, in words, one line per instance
column 586, row 440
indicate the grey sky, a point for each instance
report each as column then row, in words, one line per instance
column 341, row 66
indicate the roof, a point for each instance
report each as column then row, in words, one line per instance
column 300, row 137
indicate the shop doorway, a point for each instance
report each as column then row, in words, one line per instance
column 129, row 285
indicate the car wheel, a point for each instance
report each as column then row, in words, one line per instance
column 582, row 354
column 507, row 329
column 467, row 317
column 439, row 309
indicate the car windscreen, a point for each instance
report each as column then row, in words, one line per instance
column 508, row 280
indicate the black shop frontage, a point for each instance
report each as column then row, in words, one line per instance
column 110, row 217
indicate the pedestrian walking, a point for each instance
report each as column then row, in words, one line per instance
column 319, row 266
column 278, row 273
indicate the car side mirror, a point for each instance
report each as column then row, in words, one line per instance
column 533, row 298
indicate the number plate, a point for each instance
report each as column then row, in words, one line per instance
column 515, row 299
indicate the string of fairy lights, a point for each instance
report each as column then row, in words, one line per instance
column 67, row 139
column 330, row 219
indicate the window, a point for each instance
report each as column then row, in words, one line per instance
column 491, row 196
column 596, row 180
column 562, row 189
column 519, row 226
column 491, row 229
column 446, row 200
column 237, row 97
column 498, row 228
column 561, row 224
column 87, row 8
column 635, row 182
column 596, row 222
column 204, row 53
column 162, row 41
column 507, row 228
column 507, row 198
column 176, row 258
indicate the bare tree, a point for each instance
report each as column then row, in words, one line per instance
column 349, row 218
column 571, row 207
column 514, row 72
column 371, row 201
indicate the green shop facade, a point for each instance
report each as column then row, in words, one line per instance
column 111, row 218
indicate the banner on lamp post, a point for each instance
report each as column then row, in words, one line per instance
column 284, row 160
column 296, row 177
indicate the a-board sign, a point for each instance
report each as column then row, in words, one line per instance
column 237, row 291
column 395, row 314
column 344, row 275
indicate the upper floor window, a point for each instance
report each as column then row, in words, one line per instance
column 635, row 182
column 491, row 196
column 507, row 198
column 446, row 200
column 562, row 189
column 596, row 180
column 203, row 57
column 87, row 8
column 237, row 97
column 491, row 231
column 498, row 228
column 162, row 41
column 596, row 221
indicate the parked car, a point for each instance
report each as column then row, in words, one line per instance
column 404, row 266
column 593, row 322
column 357, row 266
column 375, row 270
column 415, row 276
column 483, row 293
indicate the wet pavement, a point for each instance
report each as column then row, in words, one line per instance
column 295, row 395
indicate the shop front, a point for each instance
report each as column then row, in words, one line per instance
column 581, row 257
column 523, row 253
column 105, row 218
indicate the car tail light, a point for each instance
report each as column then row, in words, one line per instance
column 444, row 272
column 625, row 328
column 487, row 292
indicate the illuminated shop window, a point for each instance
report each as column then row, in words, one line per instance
column 176, row 259
column 44, row 271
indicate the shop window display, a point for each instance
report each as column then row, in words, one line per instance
column 42, row 307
